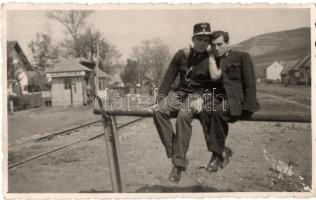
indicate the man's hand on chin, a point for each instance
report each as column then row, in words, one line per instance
column 196, row 105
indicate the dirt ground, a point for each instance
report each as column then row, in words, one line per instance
column 33, row 122
column 299, row 93
column 267, row 157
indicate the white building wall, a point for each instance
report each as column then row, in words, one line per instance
column 20, row 70
column 274, row 71
column 23, row 81
column 62, row 96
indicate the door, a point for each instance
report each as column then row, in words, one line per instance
column 77, row 94
column 67, row 99
column 73, row 93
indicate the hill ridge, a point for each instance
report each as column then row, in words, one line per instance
column 288, row 45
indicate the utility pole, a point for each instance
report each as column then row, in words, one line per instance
column 139, row 72
column 96, row 68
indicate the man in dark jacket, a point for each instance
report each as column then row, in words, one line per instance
column 233, row 87
column 192, row 68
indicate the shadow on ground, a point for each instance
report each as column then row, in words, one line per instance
column 95, row 191
column 170, row 189
column 167, row 189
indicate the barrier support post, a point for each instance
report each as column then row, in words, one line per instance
column 113, row 152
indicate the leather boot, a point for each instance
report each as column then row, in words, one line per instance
column 214, row 163
column 175, row 174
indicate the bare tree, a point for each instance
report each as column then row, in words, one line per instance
column 111, row 59
column 85, row 39
column 108, row 54
column 88, row 42
column 152, row 56
column 44, row 53
column 74, row 21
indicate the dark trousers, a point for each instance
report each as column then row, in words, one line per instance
column 215, row 121
column 176, row 143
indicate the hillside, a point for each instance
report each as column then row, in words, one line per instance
column 289, row 46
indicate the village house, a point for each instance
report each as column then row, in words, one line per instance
column 273, row 72
column 22, row 77
column 25, row 84
column 300, row 73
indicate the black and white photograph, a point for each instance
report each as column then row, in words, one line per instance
column 157, row 99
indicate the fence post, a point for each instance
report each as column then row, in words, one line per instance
column 112, row 145
column 11, row 105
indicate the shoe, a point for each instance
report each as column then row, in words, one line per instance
column 214, row 163
column 227, row 153
column 175, row 174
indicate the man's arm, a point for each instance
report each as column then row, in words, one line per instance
column 249, row 84
column 170, row 75
column 215, row 72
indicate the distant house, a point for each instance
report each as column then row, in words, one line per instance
column 273, row 72
column 299, row 73
column 22, row 77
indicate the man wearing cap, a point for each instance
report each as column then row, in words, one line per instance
column 192, row 69
column 234, row 95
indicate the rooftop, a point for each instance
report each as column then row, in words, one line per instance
column 70, row 65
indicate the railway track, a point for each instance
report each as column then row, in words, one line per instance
column 66, row 132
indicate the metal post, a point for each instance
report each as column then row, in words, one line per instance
column 112, row 145
column 118, row 152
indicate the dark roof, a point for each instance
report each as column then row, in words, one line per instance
column 15, row 45
column 306, row 61
column 116, row 78
column 100, row 73
column 10, row 45
column 70, row 65
column 289, row 66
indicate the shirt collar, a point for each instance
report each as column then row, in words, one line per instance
column 198, row 54
column 227, row 53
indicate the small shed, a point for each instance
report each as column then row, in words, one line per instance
column 70, row 80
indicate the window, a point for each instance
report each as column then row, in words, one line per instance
column 67, row 83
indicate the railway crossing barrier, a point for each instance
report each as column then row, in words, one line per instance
column 113, row 146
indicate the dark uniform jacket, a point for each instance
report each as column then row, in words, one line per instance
column 197, row 77
column 239, row 82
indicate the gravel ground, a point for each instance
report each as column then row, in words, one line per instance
column 267, row 157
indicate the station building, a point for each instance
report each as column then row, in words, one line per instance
column 72, row 82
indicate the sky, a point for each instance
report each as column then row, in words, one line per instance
column 126, row 28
